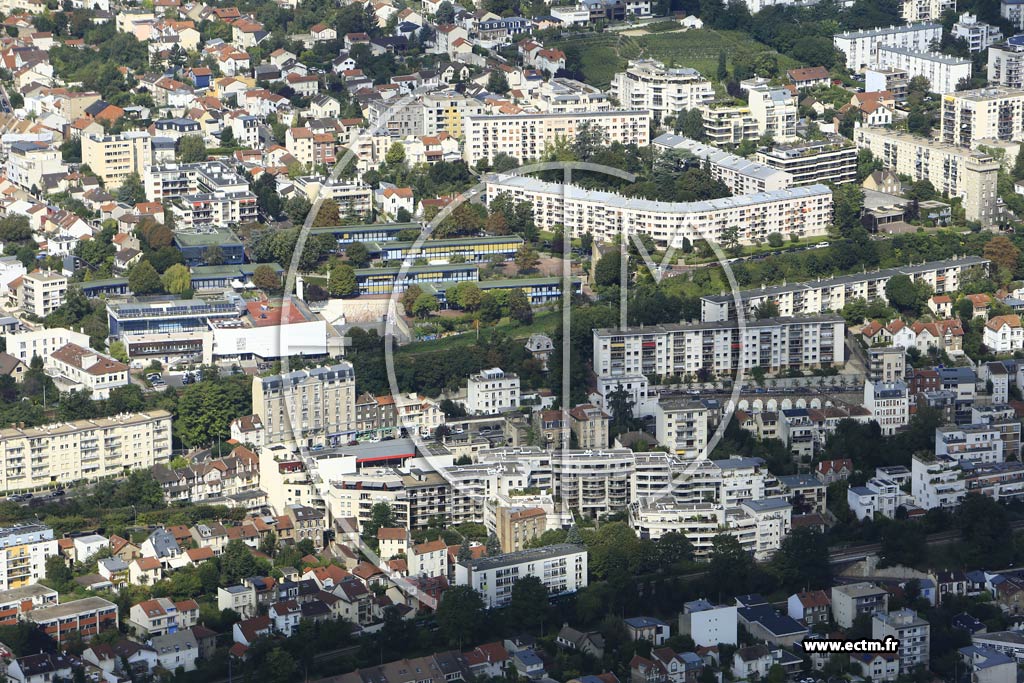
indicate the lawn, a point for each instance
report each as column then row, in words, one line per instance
column 601, row 55
column 545, row 322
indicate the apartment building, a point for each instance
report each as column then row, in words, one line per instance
column 515, row 528
column 978, row 443
column 202, row 195
column 728, row 124
column 800, row 211
column 861, row 47
column 526, row 135
column 64, row 452
column 113, row 158
column 943, row 72
column 912, row 632
column 43, row 292
column 978, row 35
column 42, row 342
column 593, row 483
column 664, row 91
column 561, row 568
column 590, row 425
column 823, row 296
column 492, row 391
column 681, row 426
column 1006, row 63
column 956, row 171
column 776, row 111
column 926, row 10
column 740, row 175
column 1001, row 417
column 310, row 148
column 87, row 369
column 973, row 116
column 833, row 160
column 852, row 600
column 888, row 403
column 759, row 526
column 878, row 496
column 85, row 617
column 446, row 112
column 721, row 347
column 307, row 407
column 559, row 95
column 29, row 161
column 887, row 364
column 25, row 549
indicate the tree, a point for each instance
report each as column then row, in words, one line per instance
column 1002, row 252
column 465, row 552
column 984, row 530
column 279, row 667
column 460, row 616
column 213, row 255
column 177, row 279
column 464, row 295
column 730, row 565
column 1018, row 167
column 58, row 575
column 395, row 155
column 132, row 191
column 342, row 282
column 723, row 71
column 529, row 603
column 143, row 279
column 527, row 258
column 266, row 279
column 690, row 123
column 775, row 240
column 381, row 516
column 227, row 137
column 904, row 543
column 237, row 562
column 802, row 560
column 674, row 547
column 297, row 208
column 766, row 309
column 445, row 13
column 519, row 308
column 409, row 297
column 608, row 270
column 906, row 295
column 493, row 545
column 358, row 255
column 847, row 206
column 191, row 149
column 328, row 214
column 497, row 82
column 424, row 305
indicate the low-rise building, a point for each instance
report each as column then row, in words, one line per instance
column 912, row 632
column 561, row 568
column 849, row 601
column 492, row 391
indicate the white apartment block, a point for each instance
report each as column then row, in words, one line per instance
column 65, row 452
column 936, row 482
column 85, row 368
column 1012, row 11
column 561, row 568
column 758, row 525
column 776, row 111
column 728, row 124
column 526, row 135
column 740, row 175
column 1006, row 63
column 926, row 10
column 973, row 116
column 912, row 632
column 861, row 47
column 878, row 495
column 824, row 296
column 978, row 443
column 942, row 71
column 43, row 292
column 888, row 404
column 649, row 84
column 681, row 426
column 833, row 160
column 720, row 347
column 25, row 549
column 42, row 342
column 28, row 162
column 593, row 483
column 492, row 391
column 800, row 211
column 307, row 407
column 956, row 171
column 202, row 195
column 979, row 35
